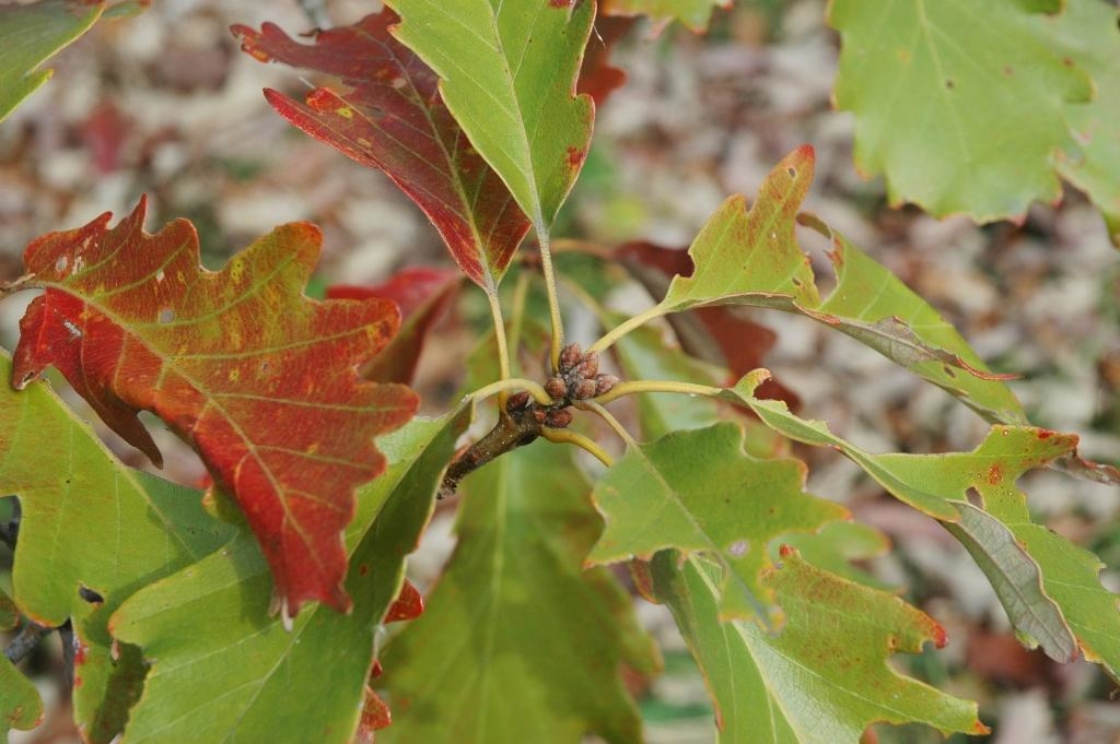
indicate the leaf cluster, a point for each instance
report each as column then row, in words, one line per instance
column 254, row 609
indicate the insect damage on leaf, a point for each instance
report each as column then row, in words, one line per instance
column 259, row 379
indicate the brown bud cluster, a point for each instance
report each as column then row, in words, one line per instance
column 579, row 375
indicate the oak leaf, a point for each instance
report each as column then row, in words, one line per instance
column 392, row 117
column 260, row 380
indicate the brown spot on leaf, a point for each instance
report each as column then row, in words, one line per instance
column 576, row 156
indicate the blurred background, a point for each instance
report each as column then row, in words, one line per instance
column 166, row 104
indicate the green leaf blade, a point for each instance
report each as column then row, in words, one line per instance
column 699, row 491
column 32, row 34
column 932, row 84
column 518, row 643
column 508, row 73
column 823, row 679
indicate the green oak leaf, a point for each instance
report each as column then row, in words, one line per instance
column 518, row 643
column 238, row 675
column 752, row 258
column 89, row 524
column 699, row 491
column 508, row 71
column 980, row 108
column 824, row 678
column 1049, row 587
column 32, row 34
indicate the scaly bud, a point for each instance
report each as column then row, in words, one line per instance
column 570, row 356
column 559, row 419
column 556, row 387
column 519, row 401
column 604, row 383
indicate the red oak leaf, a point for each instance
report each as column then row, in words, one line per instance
column 393, row 118
column 422, row 293
column 259, row 379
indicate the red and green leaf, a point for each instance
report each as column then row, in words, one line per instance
column 260, row 380
column 238, row 676
column 826, row 676
column 508, row 72
column 698, row 491
column 89, row 523
column 392, row 117
column 752, row 258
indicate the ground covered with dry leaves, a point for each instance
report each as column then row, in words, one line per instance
column 166, row 104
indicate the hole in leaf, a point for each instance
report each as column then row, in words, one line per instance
column 738, row 548
column 90, row 595
column 166, row 315
column 61, row 264
column 792, row 172
column 974, row 498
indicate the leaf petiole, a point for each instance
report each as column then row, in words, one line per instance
column 609, row 420
column 628, row 325
column 553, row 298
column 512, row 384
column 499, row 334
column 633, row 387
column 564, row 436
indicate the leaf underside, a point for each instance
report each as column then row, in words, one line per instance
column 261, row 381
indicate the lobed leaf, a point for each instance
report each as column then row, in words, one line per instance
column 32, row 34
column 825, row 678
column 238, row 676
column 1049, row 587
column 89, row 524
column 698, row 491
column 393, row 118
column 518, row 643
column 257, row 378
column 935, row 91
column 508, row 72
column 752, row 258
